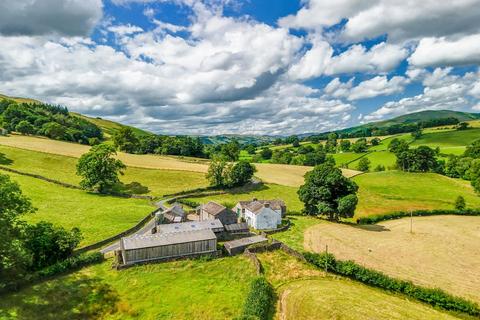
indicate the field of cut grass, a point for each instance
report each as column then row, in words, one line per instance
column 305, row 292
column 441, row 252
column 382, row 192
column 159, row 182
column 189, row 289
column 265, row 191
column 448, row 138
column 98, row 217
column 333, row 298
column 271, row 173
column 133, row 160
column 289, row 175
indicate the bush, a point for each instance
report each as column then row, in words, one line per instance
column 417, row 213
column 259, row 300
column 460, row 203
column 434, row 297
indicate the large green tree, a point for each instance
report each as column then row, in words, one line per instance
column 327, row 192
column 99, row 169
column 14, row 257
column 126, row 140
column 240, row 174
column 230, row 151
column 473, row 150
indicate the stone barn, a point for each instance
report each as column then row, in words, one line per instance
column 213, row 210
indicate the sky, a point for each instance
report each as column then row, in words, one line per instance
column 270, row 67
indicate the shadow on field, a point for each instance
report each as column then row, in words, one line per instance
column 370, row 227
column 248, row 188
column 78, row 298
column 131, row 188
column 4, row 160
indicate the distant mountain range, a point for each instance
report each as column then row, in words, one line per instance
column 109, row 127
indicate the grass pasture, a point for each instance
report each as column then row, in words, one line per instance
column 346, row 157
column 188, row 289
column 304, row 292
column 385, row 158
column 98, row 217
column 457, row 138
column 441, row 252
column 382, row 192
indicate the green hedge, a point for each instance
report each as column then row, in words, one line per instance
column 417, row 213
column 69, row 264
column 434, row 297
column 190, row 203
column 259, row 300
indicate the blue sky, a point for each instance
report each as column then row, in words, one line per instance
column 245, row 67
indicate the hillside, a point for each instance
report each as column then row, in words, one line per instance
column 242, row 139
column 18, row 99
column 109, row 127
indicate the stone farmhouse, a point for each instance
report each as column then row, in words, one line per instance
column 261, row 214
column 213, row 210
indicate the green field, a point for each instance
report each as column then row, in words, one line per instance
column 448, row 138
column 382, row 192
column 346, row 158
column 265, row 191
column 98, row 217
column 159, row 182
column 294, row 236
column 188, row 289
column 385, row 158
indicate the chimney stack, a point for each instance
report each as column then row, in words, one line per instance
column 266, row 204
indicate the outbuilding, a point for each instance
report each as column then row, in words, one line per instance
column 160, row 246
column 238, row 246
column 213, row 210
column 215, row 225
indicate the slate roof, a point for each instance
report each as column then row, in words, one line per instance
column 254, row 205
column 162, row 239
column 189, row 226
column 237, row 227
column 213, row 208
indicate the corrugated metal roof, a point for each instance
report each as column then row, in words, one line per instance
column 156, row 240
column 245, row 242
column 189, row 226
column 236, row 226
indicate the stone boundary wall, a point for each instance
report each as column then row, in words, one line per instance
column 71, row 186
column 135, row 228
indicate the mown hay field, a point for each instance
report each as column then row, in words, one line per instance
column 188, row 289
column 441, row 252
column 271, row 173
column 382, row 192
column 62, row 168
column 305, row 292
column 97, row 216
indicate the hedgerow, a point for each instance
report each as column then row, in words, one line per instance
column 70, row 264
column 259, row 300
column 417, row 213
column 434, row 297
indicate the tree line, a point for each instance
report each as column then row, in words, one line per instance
column 51, row 121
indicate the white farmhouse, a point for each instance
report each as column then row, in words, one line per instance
column 261, row 214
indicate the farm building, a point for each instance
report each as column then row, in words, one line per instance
column 174, row 214
column 165, row 246
column 213, row 210
column 237, row 228
column 238, row 246
column 261, row 214
column 214, row 225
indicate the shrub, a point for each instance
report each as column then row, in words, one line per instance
column 417, row 213
column 434, row 297
column 259, row 300
column 379, row 168
column 460, row 203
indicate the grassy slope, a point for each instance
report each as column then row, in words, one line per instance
column 382, row 192
column 424, row 256
column 109, row 127
column 294, row 236
column 449, row 141
column 191, row 289
column 306, row 293
column 63, row 168
column 385, row 158
column 17, row 99
column 98, row 217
